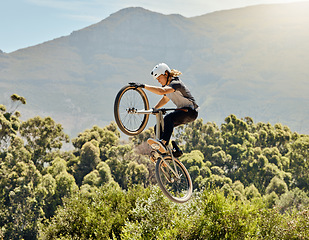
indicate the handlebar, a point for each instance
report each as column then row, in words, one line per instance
column 155, row 111
column 164, row 110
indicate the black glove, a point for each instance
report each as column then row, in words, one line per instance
column 137, row 85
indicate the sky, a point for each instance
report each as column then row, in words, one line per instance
column 25, row 23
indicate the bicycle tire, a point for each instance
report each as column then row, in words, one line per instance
column 131, row 98
column 178, row 191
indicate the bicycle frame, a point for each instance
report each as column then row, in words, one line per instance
column 132, row 115
column 160, row 125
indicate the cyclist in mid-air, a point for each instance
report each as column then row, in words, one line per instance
column 172, row 89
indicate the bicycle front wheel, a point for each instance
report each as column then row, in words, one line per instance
column 127, row 102
column 174, row 179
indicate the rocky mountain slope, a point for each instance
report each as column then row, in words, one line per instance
column 251, row 61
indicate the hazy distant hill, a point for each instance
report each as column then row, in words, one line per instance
column 251, row 61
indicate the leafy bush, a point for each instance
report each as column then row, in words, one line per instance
column 92, row 215
column 103, row 189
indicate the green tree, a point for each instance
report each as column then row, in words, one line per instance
column 198, row 136
column 238, row 190
column 198, row 169
column 89, row 159
column 58, row 183
column 47, row 192
column 136, row 173
column 223, row 218
column 150, row 218
column 20, row 203
column 299, row 156
column 127, row 167
column 42, row 136
column 101, row 176
column 277, row 185
column 104, row 173
column 294, row 200
column 106, row 138
column 98, row 216
column 248, row 152
column 143, row 136
column 252, row 192
column 270, row 199
column 9, row 121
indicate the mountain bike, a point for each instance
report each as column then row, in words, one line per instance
column 131, row 111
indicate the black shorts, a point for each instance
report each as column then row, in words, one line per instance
column 175, row 119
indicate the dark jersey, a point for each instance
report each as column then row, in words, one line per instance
column 181, row 97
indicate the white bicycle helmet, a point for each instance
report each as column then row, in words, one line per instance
column 159, row 69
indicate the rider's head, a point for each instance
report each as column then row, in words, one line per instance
column 161, row 73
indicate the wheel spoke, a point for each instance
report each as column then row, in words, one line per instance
column 127, row 101
column 175, row 183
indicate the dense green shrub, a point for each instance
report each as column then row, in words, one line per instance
column 98, row 214
column 250, row 181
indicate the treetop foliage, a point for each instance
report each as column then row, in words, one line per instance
column 250, row 180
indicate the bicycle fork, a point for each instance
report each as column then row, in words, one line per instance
column 160, row 127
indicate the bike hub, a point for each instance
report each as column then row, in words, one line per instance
column 131, row 110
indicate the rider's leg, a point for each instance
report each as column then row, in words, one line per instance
column 175, row 119
column 171, row 120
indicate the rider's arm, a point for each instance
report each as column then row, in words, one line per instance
column 162, row 102
column 159, row 90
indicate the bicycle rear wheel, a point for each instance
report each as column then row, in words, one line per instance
column 177, row 189
column 128, row 100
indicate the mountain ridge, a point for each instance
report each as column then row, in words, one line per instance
column 232, row 64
